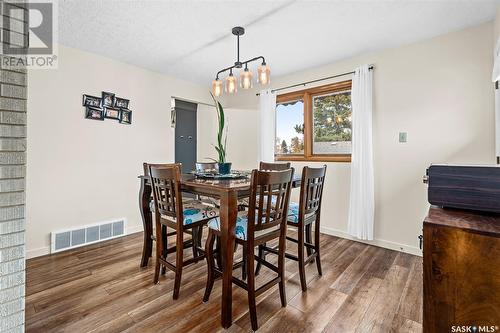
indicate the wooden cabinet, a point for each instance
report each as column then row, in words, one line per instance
column 461, row 270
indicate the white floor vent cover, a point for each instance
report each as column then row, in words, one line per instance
column 68, row 239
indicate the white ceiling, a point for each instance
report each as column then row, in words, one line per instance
column 192, row 39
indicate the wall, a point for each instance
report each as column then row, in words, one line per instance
column 85, row 171
column 496, row 24
column 242, row 134
column 12, row 185
column 438, row 91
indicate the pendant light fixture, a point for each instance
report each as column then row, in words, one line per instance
column 231, row 83
column 246, row 76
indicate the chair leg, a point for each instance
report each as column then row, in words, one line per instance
column 218, row 252
column 316, row 248
column 281, row 270
column 209, row 253
column 251, row 288
column 200, row 236
column 302, row 271
column 159, row 252
column 262, row 256
column 308, row 238
column 244, row 266
column 179, row 258
column 194, row 237
column 164, row 239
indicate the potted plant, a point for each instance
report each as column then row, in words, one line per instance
column 220, row 147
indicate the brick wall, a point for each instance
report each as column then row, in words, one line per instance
column 13, row 83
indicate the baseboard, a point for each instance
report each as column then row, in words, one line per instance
column 326, row 230
column 42, row 251
column 376, row 242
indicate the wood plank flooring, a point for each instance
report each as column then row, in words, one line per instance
column 100, row 288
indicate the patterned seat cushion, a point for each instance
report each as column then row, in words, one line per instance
column 241, row 226
column 195, row 211
column 293, row 214
column 293, row 209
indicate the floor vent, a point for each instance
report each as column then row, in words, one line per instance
column 69, row 239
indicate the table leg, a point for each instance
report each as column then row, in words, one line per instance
column 147, row 221
column 228, row 213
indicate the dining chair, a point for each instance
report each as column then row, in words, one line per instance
column 302, row 216
column 207, row 167
column 265, row 166
column 184, row 216
column 260, row 224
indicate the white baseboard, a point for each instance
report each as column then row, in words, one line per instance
column 377, row 242
column 41, row 251
column 326, row 230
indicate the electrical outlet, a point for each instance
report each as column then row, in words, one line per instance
column 403, row 137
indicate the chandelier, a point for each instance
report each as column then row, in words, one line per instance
column 246, row 77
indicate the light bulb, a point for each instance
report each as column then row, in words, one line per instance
column 246, row 79
column 217, row 87
column 231, row 84
column 264, row 73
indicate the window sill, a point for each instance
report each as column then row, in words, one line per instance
column 314, row 158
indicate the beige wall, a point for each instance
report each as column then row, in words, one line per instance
column 84, row 171
column 440, row 92
column 496, row 34
column 242, row 135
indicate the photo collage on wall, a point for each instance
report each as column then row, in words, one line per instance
column 108, row 106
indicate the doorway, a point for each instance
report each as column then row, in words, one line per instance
column 185, row 134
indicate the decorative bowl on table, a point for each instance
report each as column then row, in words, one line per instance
column 216, row 175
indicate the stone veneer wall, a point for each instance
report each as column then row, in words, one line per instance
column 13, row 82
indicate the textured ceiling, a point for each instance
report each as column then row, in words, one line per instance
column 192, row 39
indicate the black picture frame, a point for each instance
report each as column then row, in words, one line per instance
column 93, row 101
column 94, row 113
column 121, row 103
column 112, row 113
column 108, row 99
column 125, row 116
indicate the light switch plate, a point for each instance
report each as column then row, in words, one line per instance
column 403, row 136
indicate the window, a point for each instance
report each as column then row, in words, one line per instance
column 314, row 124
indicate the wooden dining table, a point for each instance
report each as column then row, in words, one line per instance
column 228, row 191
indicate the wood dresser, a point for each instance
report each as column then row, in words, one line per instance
column 461, row 271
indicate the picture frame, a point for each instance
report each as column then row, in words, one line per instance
column 93, row 101
column 125, row 116
column 121, row 103
column 108, row 99
column 94, row 113
column 112, row 113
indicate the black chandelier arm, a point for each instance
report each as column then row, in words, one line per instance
column 235, row 66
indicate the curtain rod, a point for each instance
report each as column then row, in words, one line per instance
column 313, row 81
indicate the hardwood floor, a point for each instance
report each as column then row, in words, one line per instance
column 100, row 288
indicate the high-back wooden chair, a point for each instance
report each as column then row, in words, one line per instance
column 171, row 211
column 266, row 166
column 262, row 222
column 302, row 216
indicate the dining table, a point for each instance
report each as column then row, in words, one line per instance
column 228, row 191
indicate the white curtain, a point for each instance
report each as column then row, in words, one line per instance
column 362, row 205
column 267, row 118
column 496, row 77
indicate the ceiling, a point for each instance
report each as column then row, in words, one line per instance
column 192, row 39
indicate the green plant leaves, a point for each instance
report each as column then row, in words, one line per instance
column 221, row 138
